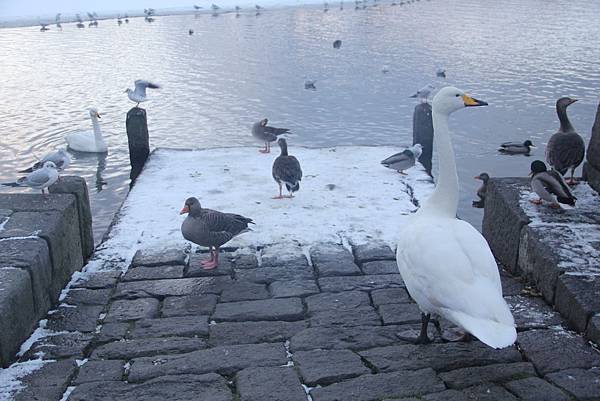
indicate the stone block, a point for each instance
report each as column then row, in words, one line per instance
column 400, row 313
column 111, row 332
column 354, row 338
column 293, row 288
column 85, row 296
column 81, row 318
column 323, row 367
column 142, row 347
column 364, row 283
column 225, row 360
column 497, row 373
column 383, row 385
column 532, row 313
column 189, row 305
column 372, row 251
column 269, row 274
column 97, row 280
column 47, row 383
column 231, row 333
column 245, row 261
column 593, row 329
column 195, row 268
column 100, row 371
column 153, row 273
column 244, row 291
column 16, row 323
column 288, row 309
column 60, row 346
column 363, row 316
column 583, row 384
column 208, row 387
column 76, row 186
column 32, row 255
column 172, row 287
column 488, row 392
column 181, row 326
column 380, row 267
column 337, row 301
column 441, row 357
column 577, row 299
column 503, row 219
column 592, row 176
column 327, row 253
column 390, row 296
column 275, row 256
column 60, row 230
column 510, row 284
column 269, row 384
column 150, row 257
column 448, row 395
column 540, row 347
column 535, row 389
column 132, row 309
column 328, row 269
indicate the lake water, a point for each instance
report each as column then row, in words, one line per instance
column 519, row 55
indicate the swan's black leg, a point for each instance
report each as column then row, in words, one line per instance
column 423, row 338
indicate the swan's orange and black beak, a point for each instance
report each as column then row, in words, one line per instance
column 472, row 102
column 98, row 115
column 185, row 210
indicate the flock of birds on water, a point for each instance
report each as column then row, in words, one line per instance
column 457, row 278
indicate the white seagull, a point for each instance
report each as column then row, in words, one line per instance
column 423, row 93
column 38, row 179
column 60, row 158
column 138, row 95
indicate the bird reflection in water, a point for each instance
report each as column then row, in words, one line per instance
column 89, row 158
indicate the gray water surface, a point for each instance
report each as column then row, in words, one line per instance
column 519, row 55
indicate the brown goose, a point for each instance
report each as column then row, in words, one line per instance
column 266, row 134
column 210, row 228
column 286, row 170
column 566, row 148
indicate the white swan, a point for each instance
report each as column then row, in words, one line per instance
column 447, row 265
column 86, row 141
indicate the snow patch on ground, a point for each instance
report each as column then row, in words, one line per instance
column 10, row 378
column 574, row 232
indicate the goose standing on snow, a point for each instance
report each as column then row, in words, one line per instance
column 515, row 148
column 60, row 158
column 566, row 148
column 91, row 142
column 266, row 134
column 38, row 179
column 210, row 228
column 138, row 95
column 484, row 177
column 549, row 186
column 404, row 160
column 447, row 265
column 286, row 170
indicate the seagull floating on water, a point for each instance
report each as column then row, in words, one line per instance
column 423, row 93
column 310, row 84
column 138, row 95
column 549, row 186
column 38, row 179
column 566, row 148
column 60, row 158
column 337, row 44
column 191, row 32
column 440, row 72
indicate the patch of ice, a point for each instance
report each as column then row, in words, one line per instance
column 81, row 362
column 67, row 393
column 3, row 223
column 10, row 378
column 34, row 235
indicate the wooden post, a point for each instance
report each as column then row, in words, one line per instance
column 139, row 141
column 423, row 133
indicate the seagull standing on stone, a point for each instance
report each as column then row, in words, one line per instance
column 138, row 95
column 60, row 158
column 424, row 93
column 38, row 179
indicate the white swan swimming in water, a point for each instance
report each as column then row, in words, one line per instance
column 87, row 141
column 447, row 265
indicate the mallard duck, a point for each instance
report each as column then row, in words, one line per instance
column 404, row 160
column 516, row 147
column 549, row 186
column 447, row 265
column 484, row 177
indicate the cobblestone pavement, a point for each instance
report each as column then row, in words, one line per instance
column 290, row 330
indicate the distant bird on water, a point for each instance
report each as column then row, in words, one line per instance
column 38, row 179
column 138, row 95
column 126, row 19
column 549, row 186
column 266, row 134
column 210, row 228
column 119, row 22
column 191, row 32
column 385, row 69
column 310, row 84
column 566, row 148
column 516, row 147
column 79, row 21
column 286, row 170
column 440, row 72
column 258, row 8
column 404, row 160
column 484, row 177
column 44, row 28
column 197, row 7
column 423, row 93
column 60, row 158
column 337, row 44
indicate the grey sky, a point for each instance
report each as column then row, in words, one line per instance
column 33, row 8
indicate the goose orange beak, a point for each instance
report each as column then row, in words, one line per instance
column 185, row 210
column 472, row 102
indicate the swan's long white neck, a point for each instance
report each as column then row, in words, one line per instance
column 97, row 133
column 444, row 200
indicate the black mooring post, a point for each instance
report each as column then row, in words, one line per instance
column 423, row 133
column 139, row 141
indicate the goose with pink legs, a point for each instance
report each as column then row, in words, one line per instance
column 210, row 228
